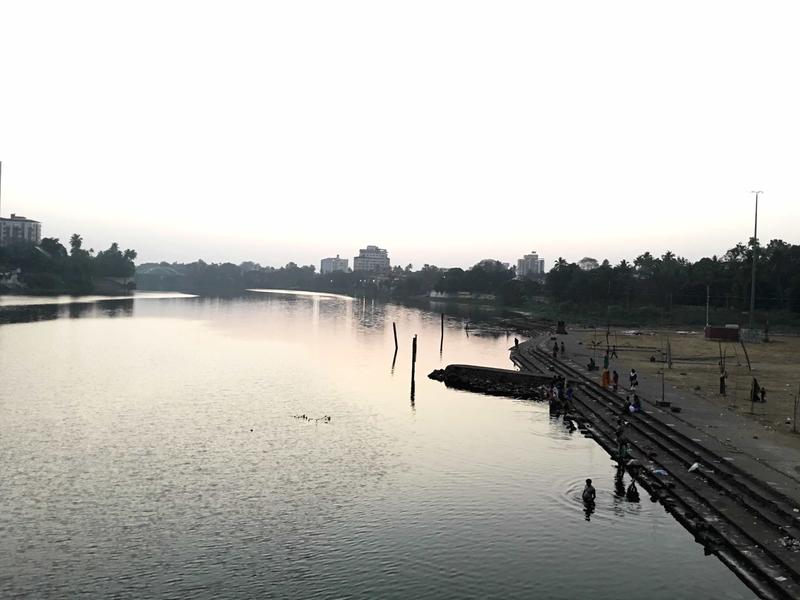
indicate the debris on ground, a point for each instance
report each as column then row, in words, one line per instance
column 790, row 543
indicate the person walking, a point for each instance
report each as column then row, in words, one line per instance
column 633, row 379
column 563, row 350
column 615, row 380
column 555, row 350
column 614, row 351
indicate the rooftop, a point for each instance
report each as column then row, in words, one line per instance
column 15, row 217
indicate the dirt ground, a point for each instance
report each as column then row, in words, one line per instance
column 695, row 369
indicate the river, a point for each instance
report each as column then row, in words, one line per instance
column 150, row 448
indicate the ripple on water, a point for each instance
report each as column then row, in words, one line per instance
column 566, row 496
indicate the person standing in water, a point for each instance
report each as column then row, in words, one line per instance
column 589, row 493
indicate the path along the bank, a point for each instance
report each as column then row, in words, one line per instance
column 741, row 504
column 745, row 442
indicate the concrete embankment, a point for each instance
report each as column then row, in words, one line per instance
column 742, row 518
column 750, row 522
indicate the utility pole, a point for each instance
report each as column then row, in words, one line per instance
column 755, row 253
column 708, row 300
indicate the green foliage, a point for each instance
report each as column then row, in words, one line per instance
column 49, row 267
column 114, row 263
column 671, row 280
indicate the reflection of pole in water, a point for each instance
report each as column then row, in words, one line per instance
column 441, row 341
column 394, row 360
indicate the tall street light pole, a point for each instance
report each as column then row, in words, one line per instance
column 755, row 253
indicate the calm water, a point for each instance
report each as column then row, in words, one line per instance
column 149, row 449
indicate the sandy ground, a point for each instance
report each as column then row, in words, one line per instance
column 695, row 370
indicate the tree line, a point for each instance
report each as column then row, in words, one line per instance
column 51, row 267
column 656, row 282
column 671, row 280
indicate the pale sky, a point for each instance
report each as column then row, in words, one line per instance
column 446, row 132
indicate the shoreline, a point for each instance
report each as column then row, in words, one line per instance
column 715, row 502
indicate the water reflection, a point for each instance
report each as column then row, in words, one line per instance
column 29, row 313
column 173, row 431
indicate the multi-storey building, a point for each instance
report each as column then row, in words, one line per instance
column 530, row 266
column 329, row 265
column 371, row 258
column 16, row 228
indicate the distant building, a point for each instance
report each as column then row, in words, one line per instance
column 16, row 228
column 371, row 258
column 530, row 266
column 330, row 265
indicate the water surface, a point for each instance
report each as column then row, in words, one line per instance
column 150, row 449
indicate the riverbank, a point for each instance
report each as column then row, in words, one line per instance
column 742, row 501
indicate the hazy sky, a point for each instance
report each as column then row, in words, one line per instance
column 446, row 132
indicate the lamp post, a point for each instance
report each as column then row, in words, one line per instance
column 755, row 253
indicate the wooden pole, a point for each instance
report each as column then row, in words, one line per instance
column 796, row 401
column 394, row 328
column 753, row 274
column 413, row 366
column 747, row 356
column 441, row 340
column 669, row 354
column 413, row 358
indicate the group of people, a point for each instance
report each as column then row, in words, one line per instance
column 633, row 406
column 631, row 493
column 561, row 389
column 757, row 392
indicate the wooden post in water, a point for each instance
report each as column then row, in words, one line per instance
column 441, row 340
column 394, row 328
column 413, row 365
column 413, row 357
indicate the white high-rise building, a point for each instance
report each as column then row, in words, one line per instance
column 17, row 229
column 371, row 258
column 329, row 265
column 530, row 266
